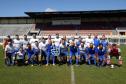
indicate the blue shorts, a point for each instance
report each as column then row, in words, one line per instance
column 16, row 49
column 92, row 56
column 63, row 53
column 101, row 58
column 73, row 54
column 82, row 54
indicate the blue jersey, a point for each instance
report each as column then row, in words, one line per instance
column 30, row 52
column 73, row 49
column 49, row 47
column 101, row 52
column 78, row 43
column 104, row 43
column 92, row 50
column 96, row 42
column 36, row 51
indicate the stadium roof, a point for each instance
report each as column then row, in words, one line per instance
column 78, row 13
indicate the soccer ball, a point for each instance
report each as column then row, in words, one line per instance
column 112, row 66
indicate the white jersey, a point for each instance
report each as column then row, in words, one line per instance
column 47, row 41
column 82, row 49
column 35, row 47
column 88, row 41
column 9, row 49
column 20, row 55
column 32, row 41
column 42, row 46
column 17, row 43
column 25, row 42
column 57, row 41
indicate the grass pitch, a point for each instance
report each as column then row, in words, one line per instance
column 84, row 74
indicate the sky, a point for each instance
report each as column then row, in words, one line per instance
column 18, row 7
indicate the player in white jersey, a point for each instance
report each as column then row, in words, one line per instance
column 63, row 52
column 17, row 43
column 88, row 41
column 57, row 40
column 36, row 50
column 33, row 39
column 82, row 52
column 48, row 39
column 9, row 54
column 25, row 42
column 42, row 47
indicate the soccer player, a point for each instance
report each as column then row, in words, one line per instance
column 48, row 39
column 25, row 42
column 63, row 51
column 101, row 53
column 48, row 51
column 54, row 52
column 9, row 54
column 96, row 41
column 82, row 52
column 32, row 40
column 30, row 54
column 88, row 41
column 6, row 40
column 17, row 44
column 91, row 52
column 73, row 52
column 42, row 47
column 36, row 51
column 104, row 42
column 115, row 51
column 20, row 56
column 79, row 41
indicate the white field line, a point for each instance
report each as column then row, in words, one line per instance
column 72, row 75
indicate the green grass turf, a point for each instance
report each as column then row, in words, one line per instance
column 93, row 75
column 84, row 74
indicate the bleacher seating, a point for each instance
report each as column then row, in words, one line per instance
column 12, row 29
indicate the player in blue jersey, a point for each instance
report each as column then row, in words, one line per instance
column 50, row 50
column 91, row 52
column 104, row 42
column 96, row 41
column 101, row 53
column 73, row 52
column 30, row 54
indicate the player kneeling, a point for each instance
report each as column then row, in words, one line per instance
column 9, row 54
column 114, row 51
column 20, row 57
column 100, row 53
column 91, row 54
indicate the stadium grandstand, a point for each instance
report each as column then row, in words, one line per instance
column 108, row 22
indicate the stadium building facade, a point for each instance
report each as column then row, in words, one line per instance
column 109, row 22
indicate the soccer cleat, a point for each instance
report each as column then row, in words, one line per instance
column 53, row 64
column 46, row 65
